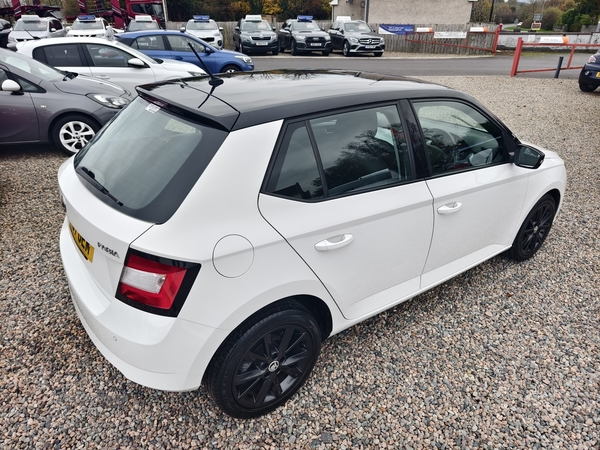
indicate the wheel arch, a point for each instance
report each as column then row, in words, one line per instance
column 56, row 118
column 314, row 305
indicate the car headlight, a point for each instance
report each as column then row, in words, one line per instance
column 197, row 74
column 245, row 58
column 299, row 37
column 246, row 38
column 109, row 100
column 592, row 59
column 217, row 34
column 11, row 39
column 327, row 38
column 353, row 39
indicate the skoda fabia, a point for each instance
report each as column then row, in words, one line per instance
column 217, row 232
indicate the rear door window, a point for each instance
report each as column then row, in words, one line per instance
column 355, row 151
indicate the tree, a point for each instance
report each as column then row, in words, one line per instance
column 551, row 17
column 481, row 11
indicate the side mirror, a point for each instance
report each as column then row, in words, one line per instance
column 274, row 28
column 237, row 29
column 136, row 62
column 182, row 29
column 52, row 30
column 68, row 28
column 11, row 86
column 528, row 157
column 220, row 28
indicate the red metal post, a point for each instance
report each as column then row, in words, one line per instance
column 517, row 57
column 496, row 38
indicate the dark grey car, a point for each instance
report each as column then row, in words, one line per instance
column 355, row 36
column 41, row 104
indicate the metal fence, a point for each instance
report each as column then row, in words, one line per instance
column 476, row 43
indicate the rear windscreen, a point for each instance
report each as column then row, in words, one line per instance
column 145, row 162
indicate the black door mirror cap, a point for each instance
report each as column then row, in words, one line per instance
column 528, row 157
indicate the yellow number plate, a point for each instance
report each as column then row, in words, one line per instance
column 84, row 246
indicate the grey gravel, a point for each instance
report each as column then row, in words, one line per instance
column 506, row 355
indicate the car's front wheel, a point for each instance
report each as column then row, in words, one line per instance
column 230, row 69
column 534, row 230
column 71, row 133
column 265, row 361
column 585, row 87
column 346, row 48
column 294, row 50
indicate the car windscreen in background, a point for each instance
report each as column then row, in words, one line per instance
column 146, row 160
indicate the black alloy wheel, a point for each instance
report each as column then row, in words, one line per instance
column 294, row 50
column 265, row 361
column 534, row 230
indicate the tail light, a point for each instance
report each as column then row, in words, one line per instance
column 154, row 284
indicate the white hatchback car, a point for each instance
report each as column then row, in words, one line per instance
column 217, row 237
column 32, row 27
column 205, row 28
column 107, row 60
column 90, row 26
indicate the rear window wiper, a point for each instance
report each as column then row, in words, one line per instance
column 92, row 179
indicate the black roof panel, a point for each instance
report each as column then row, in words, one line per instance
column 260, row 97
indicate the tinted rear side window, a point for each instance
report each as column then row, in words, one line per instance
column 59, row 55
column 148, row 160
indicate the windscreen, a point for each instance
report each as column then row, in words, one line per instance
column 35, row 25
column 145, row 162
column 87, row 25
column 191, row 25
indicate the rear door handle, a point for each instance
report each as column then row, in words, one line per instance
column 450, row 208
column 326, row 245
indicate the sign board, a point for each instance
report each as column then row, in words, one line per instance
column 554, row 40
column 386, row 28
column 537, row 17
column 424, row 30
column 478, row 29
column 535, row 26
column 450, row 35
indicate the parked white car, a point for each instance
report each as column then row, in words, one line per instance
column 90, row 26
column 107, row 60
column 205, row 28
column 31, row 26
column 218, row 233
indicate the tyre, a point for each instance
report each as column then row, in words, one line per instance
column 281, row 46
column 275, row 52
column 346, row 48
column 585, row 87
column 294, row 50
column 378, row 54
column 265, row 361
column 71, row 133
column 534, row 230
column 325, row 53
column 230, row 69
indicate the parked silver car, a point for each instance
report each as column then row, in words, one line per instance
column 41, row 104
column 30, row 27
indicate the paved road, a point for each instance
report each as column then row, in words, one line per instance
column 499, row 65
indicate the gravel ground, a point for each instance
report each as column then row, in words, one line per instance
column 506, row 355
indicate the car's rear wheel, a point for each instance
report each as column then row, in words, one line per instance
column 586, row 87
column 230, row 69
column 294, row 50
column 534, row 230
column 265, row 361
column 346, row 48
column 71, row 133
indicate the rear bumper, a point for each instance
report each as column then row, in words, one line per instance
column 158, row 352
